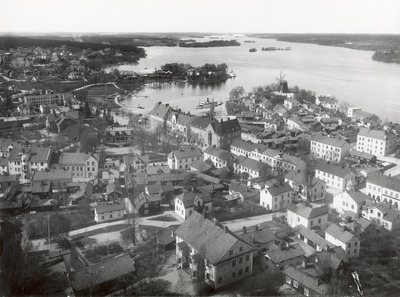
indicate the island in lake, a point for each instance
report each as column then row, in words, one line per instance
column 212, row 43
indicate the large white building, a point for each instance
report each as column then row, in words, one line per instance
column 300, row 214
column 84, row 167
column 276, row 196
column 349, row 201
column 339, row 236
column 184, row 157
column 329, row 148
column 334, row 176
column 376, row 142
column 47, row 99
column 384, row 188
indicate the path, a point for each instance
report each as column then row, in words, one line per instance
column 236, row 225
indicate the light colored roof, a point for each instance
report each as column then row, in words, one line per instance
column 376, row 134
column 332, row 169
column 284, row 254
column 188, row 198
column 54, row 174
column 337, row 232
column 210, row 239
column 358, row 197
column 277, row 188
column 253, row 165
column 186, row 152
column 308, row 212
column 385, row 182
column 75, row 158
column 105, row 207
column 314, row 237
column 332, row 141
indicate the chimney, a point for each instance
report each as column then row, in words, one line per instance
column 172, row 234
column 257, row 227
column 304, row 263
column 317, row 281
column 226, row 229
column 215, row 221
column 244, row 229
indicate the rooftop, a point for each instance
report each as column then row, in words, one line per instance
column 308, row 212
column 335, row 170
column 279, row 188
column 109, row 207
column 376, row 134
column 332, row 141
column 339, row 233
column 385, row 182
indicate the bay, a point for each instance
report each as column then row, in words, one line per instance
column 349, row 75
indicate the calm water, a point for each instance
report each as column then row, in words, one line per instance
column 349, row 75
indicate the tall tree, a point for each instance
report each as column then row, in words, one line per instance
column 236, row 93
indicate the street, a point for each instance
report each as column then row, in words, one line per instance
column 236, row 225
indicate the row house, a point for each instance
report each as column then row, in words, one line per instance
column 313, row 239
column 327, row 102
column 118, row 135
column 339, row 236
column 240, row 147
column 253, row 168
column 58, row 99
column 276, row 196
column 84, row 167
column 383, row 214
column 334, row 176
column 311, row 188
column 189, row 202
column 349, row 201
column 228, row 259
column 376, row 142
column 309, row 217
column 328, row 148
column 184, row 157
column 384, row 188
column 219, row 157
column 25, row 161
column 276, row 159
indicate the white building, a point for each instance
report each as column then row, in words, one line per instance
column 189, row 202
column 252, row 167
column 276, row 196
column 183, row 157
column 349, row 201
column 298, row 181
column 384, row 188
column 329, row 148
column 109, row 211
column 334, row 176
column 327, row 102
column 340, row 237
column 309, row 217
column 84, row 167
column 376, row 142
column 382, row 214
column 219, row 157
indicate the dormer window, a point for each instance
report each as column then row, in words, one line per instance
column 230, row 252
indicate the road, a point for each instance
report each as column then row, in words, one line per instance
column 236, row 225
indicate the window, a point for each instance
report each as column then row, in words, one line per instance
column 355, row 251
column 306, row 292
column 240, row 260
column 234, row 274
column 233, row 263
column 102, row 217
column 349, row 245
column 230, row 252
column 295, row 284
column 355, row 244
column 247, row 269
column 240, row 271
column 220, row 279
column 241, row 249
column 111, row 216
column 247, row 258
column 146, row 211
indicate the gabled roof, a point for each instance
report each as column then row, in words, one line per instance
column 210, row 240
column 75, row 158
column 278, row 188
column 332, row 169
column 385, row 182
column 52, row 175
column 253, row 165
column 102, row 272
column 108, row 207
column 188, row 198
column 161, row 110
column 284, row 254
column 314, row 237
column 332, row 141
column 144, row 198
column 184, row 120
column 357, row 197
column 308, row 212
column 185, row 152
column 376, row 134
column 306, row 280
column 339, row 233
column 219, row 153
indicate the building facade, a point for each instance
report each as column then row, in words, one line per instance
column 376, row 142
column 329, row 149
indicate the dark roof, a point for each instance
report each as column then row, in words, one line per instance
column 385, row 182
column 253, row 165
column 102, row 272
column 161, row 110
column 332, row 169
column 332, row 141
column 376, row 134
column 284, row 254
column 278, row 188
column 186, row 152
column 308, row 212
column 166, row 235
column 208, row 178
column 105, row 207
column 358, row 197
column 314, row 237
column 210, row 240
column 9, row 178
column 54, row 174
column 260, row 236
column 307, row 280
column 144, row 198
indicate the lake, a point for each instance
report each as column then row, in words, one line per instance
column 349, row 75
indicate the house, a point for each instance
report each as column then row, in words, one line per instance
column 276, row 196
column 58, row 98
column 6, row 145
column 313, row 239
column 189, row 202
column 207, row 131
column 88, row 279
column 351, row 200
column 59, row 178
column 240, row 147
column 283, row 254
column 183, row 157
column 64, row 122
column 276, row 159
column 290, row 103
column 243, row 192
column 310, row 188
column 164, row 190
column 254, row 169
column 327, row 102
column 165, row 238
column 138, row 163
column 23, row 109
column 108, row 211
column 84, row 167
column 218, row 157
column 113, row 191
column 376, row 142
column 262, row 238
column 159, row 115
column 384, row 188
column 296, row 123
column 7, row 181
column 335, row 177
column 25, row 161
column 340, row 237
column 382, row 214
column 181, row 122
column 329, row 148
column 304, row 283
column 147, row 204
column 227, row 258
column 118, row 135
column 309, row 217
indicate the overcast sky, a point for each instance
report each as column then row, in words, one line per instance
column 230, row 16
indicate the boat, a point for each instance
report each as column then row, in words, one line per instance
column 208, row 104
column 252, row 50
column 231, row 74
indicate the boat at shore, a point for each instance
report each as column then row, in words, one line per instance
column 208, row 104
column 252, row 50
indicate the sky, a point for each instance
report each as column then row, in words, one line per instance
column 219, row 16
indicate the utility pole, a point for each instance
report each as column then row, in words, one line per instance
column 48, row 230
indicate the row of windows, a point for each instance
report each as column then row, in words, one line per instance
column 239, row 273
